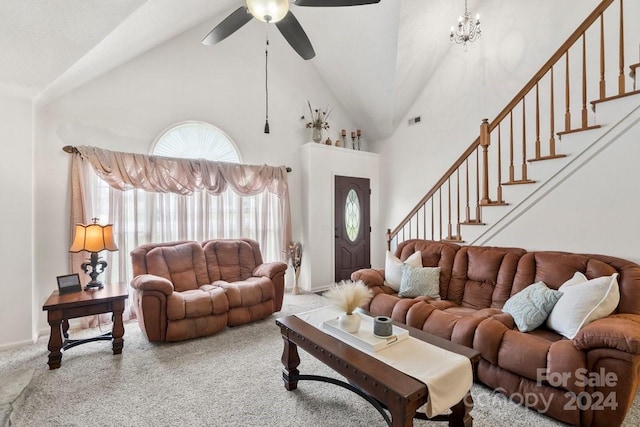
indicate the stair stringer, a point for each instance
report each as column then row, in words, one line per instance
column 550, row 174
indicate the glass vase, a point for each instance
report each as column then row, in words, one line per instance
column 316, row 135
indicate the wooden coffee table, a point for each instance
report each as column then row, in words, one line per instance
column 61, row 308
column 384, row 387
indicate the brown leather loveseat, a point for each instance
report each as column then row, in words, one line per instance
column 187, row 289
column 590, row 380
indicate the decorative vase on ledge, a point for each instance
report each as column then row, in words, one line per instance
column 350, row 322
column 316, row 134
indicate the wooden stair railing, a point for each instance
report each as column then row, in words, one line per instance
column 479, row 169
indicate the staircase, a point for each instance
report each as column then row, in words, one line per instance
column 545, row 134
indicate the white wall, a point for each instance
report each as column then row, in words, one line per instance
column 181, row 80
column 16, row 213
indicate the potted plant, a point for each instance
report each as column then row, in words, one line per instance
column 318, row 122
column 348, row 296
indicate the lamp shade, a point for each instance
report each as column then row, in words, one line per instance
column 93, row 238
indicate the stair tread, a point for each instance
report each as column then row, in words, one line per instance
column 566, row 132
column 609, row 98
column 456, row 239
column 519, row 182
column 550, row 157
column 494, row 203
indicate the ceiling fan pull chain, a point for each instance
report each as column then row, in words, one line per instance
column 266, row 82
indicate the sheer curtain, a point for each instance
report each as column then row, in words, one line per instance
column 161, row 199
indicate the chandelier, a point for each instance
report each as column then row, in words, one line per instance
column 468, row 30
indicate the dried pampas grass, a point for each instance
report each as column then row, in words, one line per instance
column 349, row 295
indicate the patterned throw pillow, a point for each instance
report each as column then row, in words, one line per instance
column 420, row 281
column 531, row 306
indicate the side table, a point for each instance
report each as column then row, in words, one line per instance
column 61, row 308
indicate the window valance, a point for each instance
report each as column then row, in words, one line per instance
column 183, row 176
column 125, row 171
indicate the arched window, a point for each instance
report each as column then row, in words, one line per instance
column 196, row 140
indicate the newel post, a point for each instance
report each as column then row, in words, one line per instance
column 485, row 141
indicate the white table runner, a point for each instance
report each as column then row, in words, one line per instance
column 448, row 375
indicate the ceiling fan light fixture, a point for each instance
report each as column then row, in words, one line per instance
column 270, row 11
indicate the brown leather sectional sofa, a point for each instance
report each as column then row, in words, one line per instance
column 590, row 380
column 187, row 289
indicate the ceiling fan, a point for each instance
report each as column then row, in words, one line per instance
column 276, row 12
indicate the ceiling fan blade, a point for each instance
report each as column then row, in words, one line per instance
column 333, row 3
column 295, row 35
column 228, row 26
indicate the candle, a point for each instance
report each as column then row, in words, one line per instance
column 344, row 132
column 353, row 134
column 359, row 132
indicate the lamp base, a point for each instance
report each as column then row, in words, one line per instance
column 93, row 285
column 93, row 268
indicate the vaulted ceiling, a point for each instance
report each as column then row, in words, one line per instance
column 386, row 52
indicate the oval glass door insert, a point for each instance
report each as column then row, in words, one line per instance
column 352, row 215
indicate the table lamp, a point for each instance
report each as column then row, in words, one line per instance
column 93, row 238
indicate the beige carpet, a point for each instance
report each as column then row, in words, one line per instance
column 230, row 379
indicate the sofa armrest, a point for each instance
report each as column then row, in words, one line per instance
column 269, row 269
column 150, row 282
column 371, row 277
column 618, row 331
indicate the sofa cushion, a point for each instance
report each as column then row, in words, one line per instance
column 565, row 357
column 555, row 268
column 531, row 306
column 183, row 265
column 246, row 293
column 249, row 300
column 482, row 276
column 393, row 268
column 487, row 338
column 420, row 281
column 229, row 260
column 523, row 354
column 193, row 327
column 582, row 302
column 197, row 302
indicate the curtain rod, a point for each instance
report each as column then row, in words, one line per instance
column 73, row 150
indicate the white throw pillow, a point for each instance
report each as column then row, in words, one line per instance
column 582, row 302
column 393, row 268
column 420, row 281
column 531, row 306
